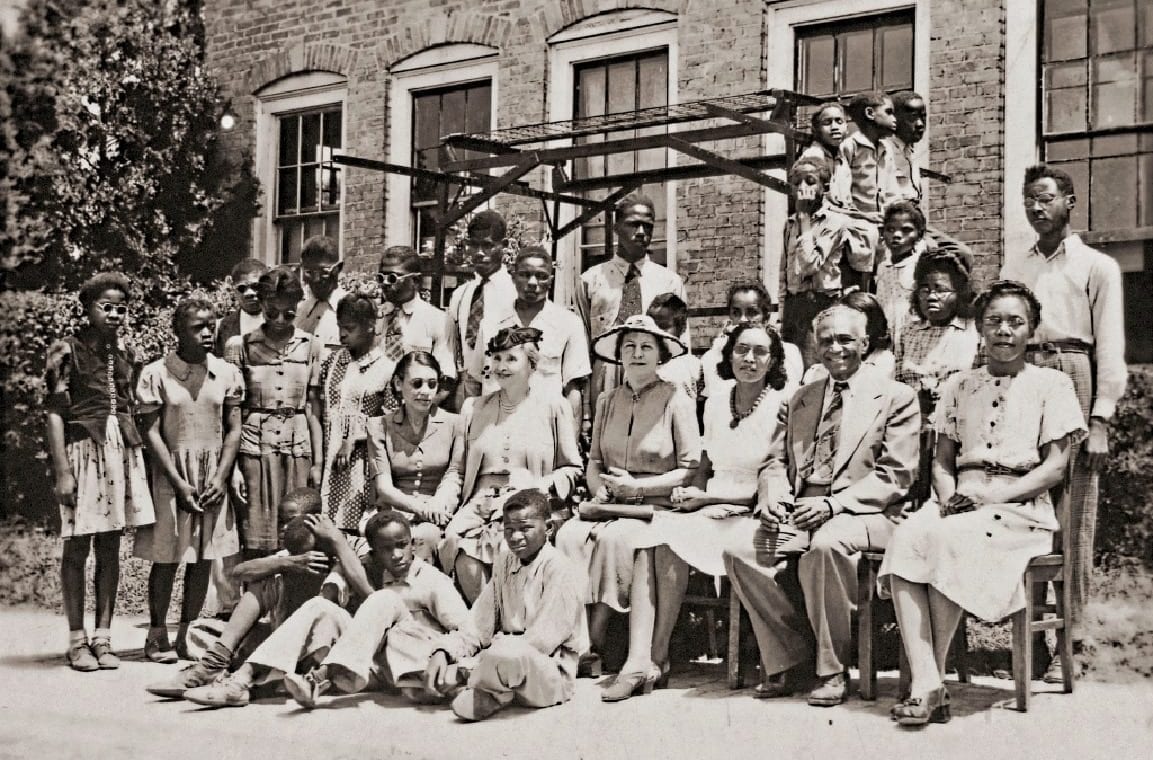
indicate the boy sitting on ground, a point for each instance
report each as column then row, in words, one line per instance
column 527, row 627
column 275, row 587
column 389, row 641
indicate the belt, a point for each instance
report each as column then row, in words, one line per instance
column 1071, row 346
column 815, row 489
column 994, row 469
column 278, row 411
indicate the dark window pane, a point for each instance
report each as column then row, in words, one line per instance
column 1147, row 81
column 332, row 122
column 653, row 75
column 330, row 187
column 1066, row 150
column 1060, row 75
column 1079, row 171
column 478, row 115
column 309, row 138
column 1114, row 194
column 289, row 135
column 1114, row 25
column 290, row 242
column 425, row 121
column 453, row 106
column 622, row 86
column 1115, row 145
column 816, row 66
column 896, row 58
column 308, row 186
column 1066, row 30
column 1115, row 91
column 856, row 60
column 1146, row 181
column 1066, row 110
column 332, row 227
column 286, row 191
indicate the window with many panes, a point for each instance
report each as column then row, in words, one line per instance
column 843, row 58
column 436, row 113
column 612, row 85
column 1097, row 83
column 308, row 184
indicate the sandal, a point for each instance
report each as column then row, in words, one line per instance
column 630, row 685
column 917, row 711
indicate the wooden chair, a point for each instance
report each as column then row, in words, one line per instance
column 1048, row 568
column 724, row 598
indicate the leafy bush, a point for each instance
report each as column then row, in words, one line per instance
column 1125, row 515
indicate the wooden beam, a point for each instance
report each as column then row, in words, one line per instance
column 588, row 213
column 668, row 174
column 453, row 214
column 727, row 165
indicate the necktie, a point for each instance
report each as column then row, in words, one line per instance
column 393, row 338
column 825, row 450
column 475, row 313
column 630, row 295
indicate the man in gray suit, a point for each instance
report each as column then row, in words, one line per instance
column 844, row 455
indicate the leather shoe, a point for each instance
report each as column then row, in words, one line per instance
column 831, row 691
column 783, row 684
column 931, row 708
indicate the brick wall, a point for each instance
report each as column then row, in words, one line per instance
column 721, row 52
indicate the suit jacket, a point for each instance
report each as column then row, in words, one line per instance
column 228, row 327
column 878, row 446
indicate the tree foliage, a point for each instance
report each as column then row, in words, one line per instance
column 112, row 155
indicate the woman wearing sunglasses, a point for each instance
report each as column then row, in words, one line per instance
column 415, row 452
column 97, row 460
column 353, row 387
column 281, row 442
column 514, row 439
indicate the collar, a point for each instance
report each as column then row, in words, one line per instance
column 370, row 357
column 1072, row 240
column 957, row 323
column 501, row 273
column 298, row 335
column 332, row 300
column 181, row 369
column 407, row 308
column 853, row 382
column 860, row 138
column 622, row 264
column 900, row 144
column 516, row 566
column 642, row 391
column 94, row 341
column 414, row 570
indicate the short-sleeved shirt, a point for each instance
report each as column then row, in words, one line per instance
column 276, row 380
column 77, row 379
column 191, row 419
column 318, row 318
column 650, row 432
column 928, row 354
column 423, row 327
column 895, row 286
column 602, row 288
column 564, row 349
column 429, row 467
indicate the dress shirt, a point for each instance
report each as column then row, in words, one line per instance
column 564, row 349
column 895, row 286
column 1082, row 298
column 906, row 178
column 318, row 318
column 863, row 175
column 499, row 296
column 599, row 296
column 812, row 260
column 422, row 328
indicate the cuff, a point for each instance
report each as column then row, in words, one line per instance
column 1104, row 408
column 835, row 506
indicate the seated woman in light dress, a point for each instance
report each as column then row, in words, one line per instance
column 416, row 453
column 515, row 438
column 709, row 515
column 645, row 443
column 1005, row 432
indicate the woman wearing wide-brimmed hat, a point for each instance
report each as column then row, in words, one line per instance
column 645, row 443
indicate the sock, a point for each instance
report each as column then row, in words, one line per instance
column 77, row 637
column 218, row 657
column 102, row 633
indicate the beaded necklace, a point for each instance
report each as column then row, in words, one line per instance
column 737, row 416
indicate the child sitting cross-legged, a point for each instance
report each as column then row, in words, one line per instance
column 275, row 587
column 526, row 628
column 389, row 640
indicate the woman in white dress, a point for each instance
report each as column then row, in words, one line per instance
column 1005, row 432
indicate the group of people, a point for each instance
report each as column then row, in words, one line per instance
column 378, row 488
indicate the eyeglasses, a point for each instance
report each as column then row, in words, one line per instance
column 320, row 272
column 758, row 352
column 244, row 289
column 1044, row 199
column 113, row 308
column 388, row 279
column 288, row 314
column 419, row 382
column 1015, row 323
column 925, row 291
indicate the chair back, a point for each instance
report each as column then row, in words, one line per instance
column 1061, row 495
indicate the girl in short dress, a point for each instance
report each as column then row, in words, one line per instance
column 281, row 442
column 353, row 387
column 1005, row 430
column 189, row 406
column 101, row 482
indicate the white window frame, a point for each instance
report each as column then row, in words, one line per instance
column 633, row 33
column 1021, row 123
column 782, row 20
column 438, row 67
column 299, row 92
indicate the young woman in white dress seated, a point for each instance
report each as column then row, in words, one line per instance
column 1005, row 432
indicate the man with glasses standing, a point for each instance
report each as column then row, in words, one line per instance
column 247, row 316
column 408, row 322
column 1082, row 333
column 484, row 300
column 320, row 267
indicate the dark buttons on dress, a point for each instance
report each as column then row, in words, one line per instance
column 988, row 445
column 989, row 535
column 996, row 517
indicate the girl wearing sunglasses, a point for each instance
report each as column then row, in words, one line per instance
column 97, row 459
column 416, row 452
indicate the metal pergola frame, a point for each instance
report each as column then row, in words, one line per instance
column 514, row 152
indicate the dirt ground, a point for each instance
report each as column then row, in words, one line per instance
column 48, row 711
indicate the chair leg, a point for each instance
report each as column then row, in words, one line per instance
column 1065, row 636
column 734, row 659
column 961, row 651
column 711, row 622
column 865, row 634
column 1023, row 648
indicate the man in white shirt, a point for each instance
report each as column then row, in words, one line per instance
column 320, row 267
column 408, row 322
column 1082, row 333
column 484, row 300
column 626, row 284
column 563, row 366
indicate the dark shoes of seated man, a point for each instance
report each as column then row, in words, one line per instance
column 824, row 691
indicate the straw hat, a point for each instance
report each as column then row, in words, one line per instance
column 605, row 345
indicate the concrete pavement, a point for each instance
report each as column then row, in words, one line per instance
column 47, row 711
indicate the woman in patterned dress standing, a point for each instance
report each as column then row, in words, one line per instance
column 95, row 448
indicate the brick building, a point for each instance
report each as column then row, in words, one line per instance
column 1008, row 83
